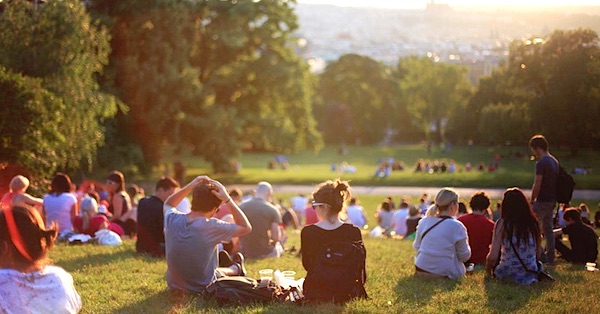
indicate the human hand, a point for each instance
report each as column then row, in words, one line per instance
column 200, row 179
column 218, row 190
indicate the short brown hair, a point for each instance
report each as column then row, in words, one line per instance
column 334, row 193
column 539, row 141
column 480, row 201
column 203, row 200
column 166, row 183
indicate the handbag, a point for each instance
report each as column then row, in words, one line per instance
column 541, row 273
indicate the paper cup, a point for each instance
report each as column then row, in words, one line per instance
column 266, row 274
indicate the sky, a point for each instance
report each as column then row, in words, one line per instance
column 420, row 4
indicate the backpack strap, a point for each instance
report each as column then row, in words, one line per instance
column 435, row 225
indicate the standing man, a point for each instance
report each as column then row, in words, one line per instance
column 543, row 192
column 192, row 239
column 150, row 226
column 265, row 219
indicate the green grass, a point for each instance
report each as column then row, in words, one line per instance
column 119, row 280
column 311, row 168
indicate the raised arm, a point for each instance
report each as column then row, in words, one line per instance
column 239, row 218
column 176, row 197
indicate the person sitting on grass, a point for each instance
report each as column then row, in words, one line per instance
column 517, row 237
column 323, row 283
column 17, row 195
column 28, row 284
column 479, row 228
column 191, row 240
column 583, row 239
column 441, row 241
column 414, row 215
column 90, row 221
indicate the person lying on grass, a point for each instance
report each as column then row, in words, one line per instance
column 28, row 284
column 191, row 240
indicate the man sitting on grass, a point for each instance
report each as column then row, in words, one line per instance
column 191, row 240
column 583, row 239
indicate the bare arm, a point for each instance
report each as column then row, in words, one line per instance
column 176, row 197
column 494, row 254
column 117, row 204
column 74, row 211
column 275, row 236
column 535, row 190
column 239, row 218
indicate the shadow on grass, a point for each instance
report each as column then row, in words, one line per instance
column 504, row 296
column 417, row 291
column 104, row 258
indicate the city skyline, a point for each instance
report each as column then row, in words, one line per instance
column 454, row 3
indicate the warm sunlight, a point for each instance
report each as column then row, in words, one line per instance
column 421, row 4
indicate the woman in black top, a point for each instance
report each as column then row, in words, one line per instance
column 330, row 234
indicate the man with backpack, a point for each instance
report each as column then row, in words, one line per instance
column 544, row 191
column 191, row 239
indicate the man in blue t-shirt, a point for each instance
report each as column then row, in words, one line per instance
column 543, row 192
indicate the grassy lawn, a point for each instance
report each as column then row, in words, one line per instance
column 118, row 280
column 310, row 168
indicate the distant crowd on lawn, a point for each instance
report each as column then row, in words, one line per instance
column 210, row 236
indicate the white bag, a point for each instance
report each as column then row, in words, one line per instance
column 377, row 232
column 107, row 237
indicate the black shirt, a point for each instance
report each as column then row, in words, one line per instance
column 150, row 224
column 583, row 241
column 312, row 237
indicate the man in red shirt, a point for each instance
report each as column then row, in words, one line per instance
column 479, row 228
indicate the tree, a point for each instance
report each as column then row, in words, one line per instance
column 359, row 100
column 53, row 107
column 433, row 92
column 561, row 77
column 214, row 76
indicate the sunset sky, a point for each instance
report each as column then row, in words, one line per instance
column 402, row 4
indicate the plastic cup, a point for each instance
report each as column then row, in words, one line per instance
column 289, row 274
column 590, row 266
column 266, row 274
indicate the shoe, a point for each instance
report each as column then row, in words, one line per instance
column 238, row 259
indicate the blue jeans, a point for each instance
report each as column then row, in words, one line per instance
column 545, row 215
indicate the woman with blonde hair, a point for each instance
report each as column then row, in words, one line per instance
column 441, row 241
column 28, row 284
column 89, row 222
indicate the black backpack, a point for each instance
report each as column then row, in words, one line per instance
column 338, row 273
column 239, row 290
column 564, row 186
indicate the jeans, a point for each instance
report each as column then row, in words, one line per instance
column 545, row 215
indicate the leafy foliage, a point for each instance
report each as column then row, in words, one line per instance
column 52, row 104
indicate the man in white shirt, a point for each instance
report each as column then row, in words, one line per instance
column 299, row 203
column 356, row 213
column 399, row 219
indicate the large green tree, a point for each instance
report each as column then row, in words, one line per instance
column 358, row 100
column 561, row 76
column 434, row 92
column 213, row 76
column 52, row 107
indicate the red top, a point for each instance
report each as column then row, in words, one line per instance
column 311, row 216
column 7, row 200
column 480, row 230
column 95, row 223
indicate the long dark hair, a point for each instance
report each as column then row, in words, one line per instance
column 117, row 177
column 519, row 219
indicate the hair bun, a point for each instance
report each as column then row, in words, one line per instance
column 341, row 186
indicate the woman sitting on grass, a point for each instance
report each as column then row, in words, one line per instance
column 516, row 236
column 441, row 241
column 89, row 222
column 329, row 279
column 27, row 283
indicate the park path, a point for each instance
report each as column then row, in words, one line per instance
column 494, row 193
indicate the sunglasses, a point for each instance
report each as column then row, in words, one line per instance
column 316, row 204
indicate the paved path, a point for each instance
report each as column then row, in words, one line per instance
column 494, row 193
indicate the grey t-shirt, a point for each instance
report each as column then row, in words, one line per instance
column 261, row 215
column 191, row 249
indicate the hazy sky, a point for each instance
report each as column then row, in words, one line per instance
column 420, row 4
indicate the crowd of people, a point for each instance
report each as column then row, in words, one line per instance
column 212, row 235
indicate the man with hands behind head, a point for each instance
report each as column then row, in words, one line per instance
column 191, row 239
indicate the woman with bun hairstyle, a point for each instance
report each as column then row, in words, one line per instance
column 516, row 236
column 329, row 198
column 441, row 241
column 28, row 284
